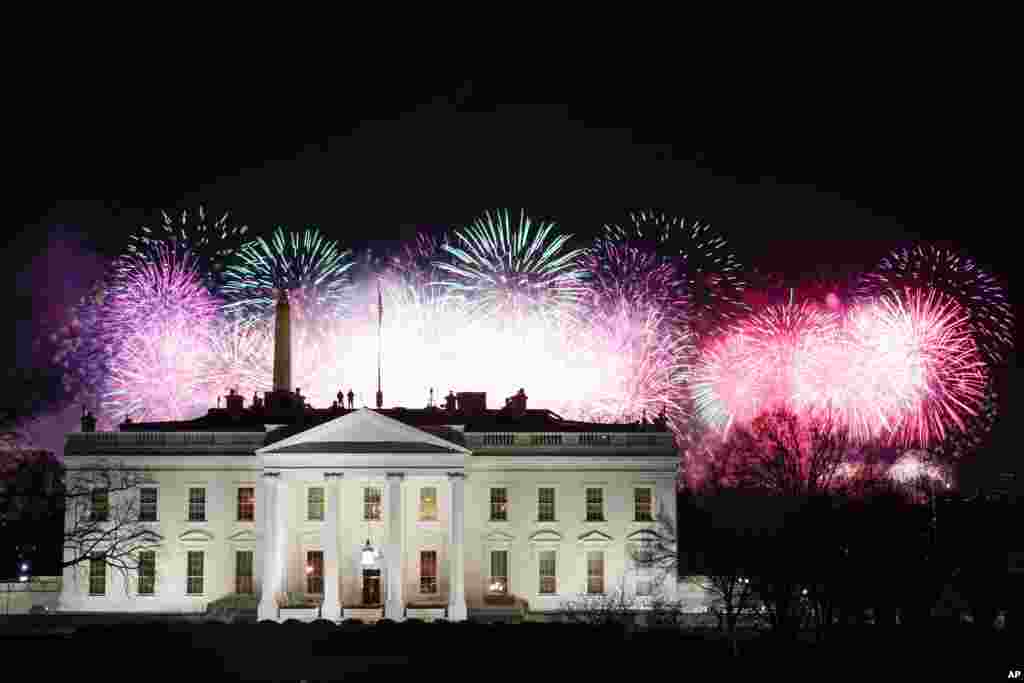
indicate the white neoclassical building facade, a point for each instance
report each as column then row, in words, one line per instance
column 440, row 511
column 367, row 515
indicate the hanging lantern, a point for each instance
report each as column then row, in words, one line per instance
column 369, row 555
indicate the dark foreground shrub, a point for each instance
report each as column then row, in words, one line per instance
column 351, row 622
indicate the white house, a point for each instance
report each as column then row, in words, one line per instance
column 531, row 516
column 390, row 512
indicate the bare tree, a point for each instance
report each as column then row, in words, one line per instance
column 784, row 453
column 102, row 517
column 614, row 607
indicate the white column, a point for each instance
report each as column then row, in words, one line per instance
column 331, row 608
column 281, row 534
column 268, row 603
column 456, row 531
column 665, row 494
column 394, row 608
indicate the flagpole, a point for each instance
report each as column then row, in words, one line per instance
column 380, row 333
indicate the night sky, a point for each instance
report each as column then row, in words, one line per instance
column 831, row 196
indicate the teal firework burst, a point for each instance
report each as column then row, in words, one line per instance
column 210, row 241
column 310, row 266
column 502, row 266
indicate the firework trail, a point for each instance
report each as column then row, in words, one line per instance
column 311, row 267
column 979, row 293
column 622, row 272
column 713, row 275
column 513, row 269
column 211, row 242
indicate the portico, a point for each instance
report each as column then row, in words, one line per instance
column 364, row 478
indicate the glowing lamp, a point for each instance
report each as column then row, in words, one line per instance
column 369, row 555
column 23, row 578
column 497, row 587
column 24, row 566
column 309, row 569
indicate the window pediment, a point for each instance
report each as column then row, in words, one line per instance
column 243, row 536
column 196, row 536
column 643, row 536
column 595, row 537
column 546, row 536
column 500, row 537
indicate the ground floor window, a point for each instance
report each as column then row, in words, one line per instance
column 147, row 572
column 194, row 585
column 595, row 572
column 428, row 571
column 243, row 572
column 547, row 572
column 499, row 572
column 97, row 576
column 315, row 571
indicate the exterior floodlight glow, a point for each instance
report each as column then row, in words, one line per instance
column 497, row 587
column 23, row 578
column 369, row 556
column 309, row 569
column 24, row 566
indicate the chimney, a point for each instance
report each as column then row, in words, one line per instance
column 516, row 404
column 235, row 403
column 88, row 421
column 472, row 402
column 282, row 345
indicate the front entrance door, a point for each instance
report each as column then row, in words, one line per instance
column 371, row 586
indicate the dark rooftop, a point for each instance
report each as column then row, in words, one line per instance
column 436, row 420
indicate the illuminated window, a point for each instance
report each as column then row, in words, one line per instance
column 197, row 505
column 499, row 505
column 546, row 505
column 499, row 572
column 547, row 572
column 147, row 504
column 97, row 576
column 147, row 572
column 246, row 504
column 371, row 504
column 642, row 505
column 428, row 503
column 100, row 505
column 194, row 585
column 315, row 571
column 595, row 572
column 243, row 572
column 315, row 504
column 428, row 571
column 595, row 505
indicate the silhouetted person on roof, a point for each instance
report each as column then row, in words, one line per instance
column 351, row 400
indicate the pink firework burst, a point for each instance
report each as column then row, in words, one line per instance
column 902, row 368
column 771, row 360
column 161, row 315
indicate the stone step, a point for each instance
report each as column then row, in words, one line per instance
column 368, row 615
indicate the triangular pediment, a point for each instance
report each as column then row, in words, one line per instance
column 595, row 536
column 362, row 432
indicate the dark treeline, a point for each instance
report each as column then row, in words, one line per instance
column 891, row 557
